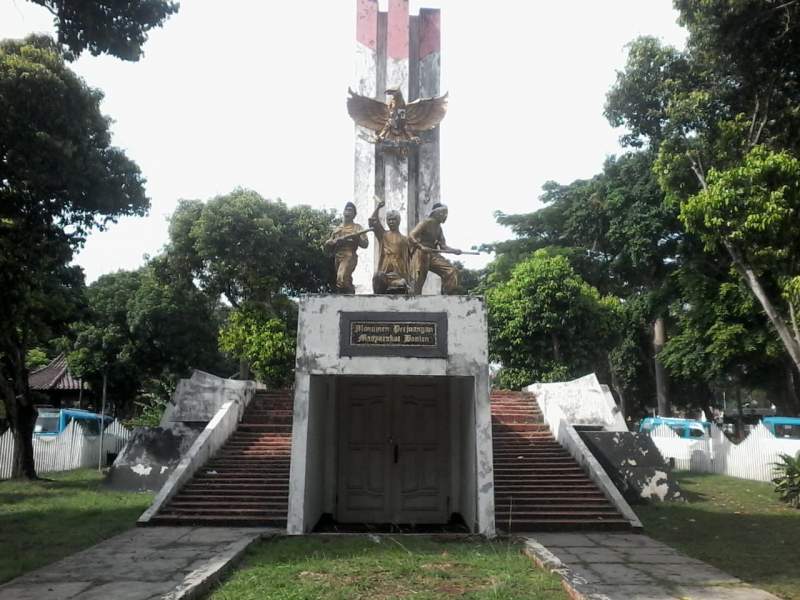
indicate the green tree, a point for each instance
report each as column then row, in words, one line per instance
column 732, row 112
column 548, row 324
column 751, row 210
column 623, row 239
column 254, row 254
column 116, row 27
column 144, row 330
column 265, row 341
column 59, row 178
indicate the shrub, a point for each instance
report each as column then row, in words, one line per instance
column 787, row 483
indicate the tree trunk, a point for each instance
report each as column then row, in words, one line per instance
column 751, row 279
column 244, row 369
column 21, row 413
column 740, row 418
column 615, row 385
column 556, row 347
column 22, row 426
column 792, row 403
column 662, row 381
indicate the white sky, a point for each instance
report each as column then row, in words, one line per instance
column 252, row 94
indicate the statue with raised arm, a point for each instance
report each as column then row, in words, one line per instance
column 428, row 240
column 343, row 242
column 392, row 274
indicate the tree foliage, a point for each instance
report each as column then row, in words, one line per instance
column 116, row 27
column 143, row 332
column 246, row 248
column 254, row 254
column 546, row 323
column 59, row 178
column 266, row 342
column 727, row 136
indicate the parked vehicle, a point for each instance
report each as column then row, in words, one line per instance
column 783, row 427
column 685, row 428
column 52, row 421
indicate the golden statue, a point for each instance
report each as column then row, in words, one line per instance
column 392, row 274
column 428, row 240
column 396, row 122
column 343, row 242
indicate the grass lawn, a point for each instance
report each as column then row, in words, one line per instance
column 379, row 568
column 736, row 525
column 42, row 521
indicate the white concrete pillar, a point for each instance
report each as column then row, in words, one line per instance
column 428, row 66
column 395, row 49
column 366, row 84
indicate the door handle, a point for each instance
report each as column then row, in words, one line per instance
column 396, row 453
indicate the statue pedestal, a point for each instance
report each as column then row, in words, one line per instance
column 392, row 420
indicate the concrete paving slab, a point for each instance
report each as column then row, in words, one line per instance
column 612, row 566
column 44, row 591
column 743, row 592
column 142, row 564
column 565, row 540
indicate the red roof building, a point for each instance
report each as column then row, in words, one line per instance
column 56, row 382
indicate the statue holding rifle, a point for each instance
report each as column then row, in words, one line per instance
column 343, row 242
column 429, row 242
column 393, row 273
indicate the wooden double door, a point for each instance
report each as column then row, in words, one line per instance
column 394, row 443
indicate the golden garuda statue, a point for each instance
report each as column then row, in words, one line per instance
column 396, row 122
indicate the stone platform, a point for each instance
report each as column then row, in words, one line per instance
column 174, row 563
column 607, row 566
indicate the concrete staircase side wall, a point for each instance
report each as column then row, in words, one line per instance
column 568, row 437
column 583, row 401
column 236, row 396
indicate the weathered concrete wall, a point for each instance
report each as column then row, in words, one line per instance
column 318, row 355
column 212, row 438
column 199, row 398
column 468, row 469
column 318, row 336
column 634, row 464
column 569, row 439
column 150, row 457
column 153, row 453
column 315, row 465
column 582, row 401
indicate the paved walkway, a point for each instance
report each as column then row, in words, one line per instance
column 141, row 564
column 609, row 566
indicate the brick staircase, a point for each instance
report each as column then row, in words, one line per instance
column 247, row 481
column 537, row 483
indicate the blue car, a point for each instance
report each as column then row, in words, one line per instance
column 783, row 427
column 52, row 421
column 684, row 428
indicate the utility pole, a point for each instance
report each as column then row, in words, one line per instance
column 102, row 421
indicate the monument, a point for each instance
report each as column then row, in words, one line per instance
column 392, row 422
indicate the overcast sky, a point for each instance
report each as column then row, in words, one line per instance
column 252, row 94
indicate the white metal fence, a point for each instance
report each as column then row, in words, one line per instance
column 753, row 458
column 70, row 449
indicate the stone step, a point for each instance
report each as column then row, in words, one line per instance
column 513, row 461
column 225, row 495
column 279, row 430
column 534, row 471
column 237, row 504
column 258, row 513
column 556, row 497
column 573, row 524
column 242, row 462
column 512, row 428
column 218, row 521
column 531, row 480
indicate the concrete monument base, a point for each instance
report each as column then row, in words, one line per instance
column 392, row 420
